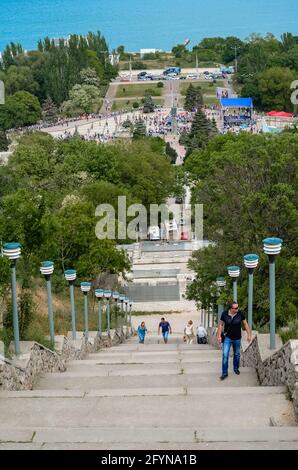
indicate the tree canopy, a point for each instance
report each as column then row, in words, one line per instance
column 52, row 188
column 248, row 185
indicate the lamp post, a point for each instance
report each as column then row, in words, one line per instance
column 203, row 316
column 251, row 262
column 115, row 296
column 272, row 247
column 107, row 294
column 99, row 296
column 85, row 288
column 220, row 282
column 122, row 299
column 71, row 275
column 130, row 307
column 47, row 269
column 234, row 273
column 126, row 301
column 13, row 252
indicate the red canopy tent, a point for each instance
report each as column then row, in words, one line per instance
column 280, row 114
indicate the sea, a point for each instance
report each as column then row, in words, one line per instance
column 140, row 24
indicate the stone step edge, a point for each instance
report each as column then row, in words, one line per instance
column 157, row 391
column 148, row 435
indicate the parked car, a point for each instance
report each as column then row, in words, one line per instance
column 171, row 70
column 144, row 76
column 193, row 76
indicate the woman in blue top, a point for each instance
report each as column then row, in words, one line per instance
column 142, row 330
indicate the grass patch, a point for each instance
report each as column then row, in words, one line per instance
column 210, row 100
column 62, row 321
column 208, row 87
column 289, row 332
column 124, row 105
column 139, row 90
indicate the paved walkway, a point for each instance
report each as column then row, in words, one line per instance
column 108, row 100
column 171, row 93
column 151, row 396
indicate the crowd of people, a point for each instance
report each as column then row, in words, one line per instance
column 242, row 120
column 165, row 329
column 228, row 335
column 105, row 128
column 160, row 125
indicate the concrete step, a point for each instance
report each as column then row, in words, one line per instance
column 155, row 355
column 138, row 381
column 264, row 437
column 96, row 368
column 281, row 444
column 184, row 438
column 207, row 379
column 161, row 347
column 200, row 411
column 145, row 391
column 145, row 360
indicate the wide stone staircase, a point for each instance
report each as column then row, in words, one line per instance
column 151, row 396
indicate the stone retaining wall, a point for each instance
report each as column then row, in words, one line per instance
column 21, row 373
column 41, row 359
column 281, row 368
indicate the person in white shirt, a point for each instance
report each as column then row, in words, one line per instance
column 188, row 332
column 201, row 335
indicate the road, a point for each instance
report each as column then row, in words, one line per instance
column 184, row 71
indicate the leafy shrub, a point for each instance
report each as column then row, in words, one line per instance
column 289, row 332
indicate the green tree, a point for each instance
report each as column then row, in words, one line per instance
column 83, row 99
column 49, row 111
column 121, row 51
column 89, row 77
column 20, row 109
column 139, row 129
column 291, row 58
column 232, row 43
column 248, row 185
column 148, row 104
column 179, row 51
column 10, row 53
column 171, row 153
column 202, row 130
column 193, row 98
column 288, row 41
column 274, row 87
column 19, row 79
column 127, row 124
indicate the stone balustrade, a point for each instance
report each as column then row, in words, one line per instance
column 20, row 373
column 278, row 368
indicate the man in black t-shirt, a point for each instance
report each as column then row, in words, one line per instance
column 229, row 333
